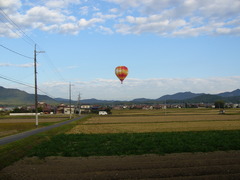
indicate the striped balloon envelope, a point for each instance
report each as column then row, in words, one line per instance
column 121, row 72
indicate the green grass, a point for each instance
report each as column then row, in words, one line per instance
column 73, row 145
column 12, row 152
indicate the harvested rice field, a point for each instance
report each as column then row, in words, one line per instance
column 183, row 165
column 16, row 124
column 160, row 121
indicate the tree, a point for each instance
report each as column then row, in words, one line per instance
column 219, row 104
column 108, row 110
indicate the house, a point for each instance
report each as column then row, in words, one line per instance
column 68, row 110
column 46, row 108
column 60, row 109
column 85, row 108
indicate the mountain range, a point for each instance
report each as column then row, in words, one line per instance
column 233, row 97
column 18, row 97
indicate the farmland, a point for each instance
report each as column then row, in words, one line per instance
column 138, row 121
column 16, row 124
column 143, row 132
column 135, row 144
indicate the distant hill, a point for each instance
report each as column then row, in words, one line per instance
column 205, row 98
column 190, row 97
column 142, row 100
column 230, row 94
column 96, row 101
column 61, row 100
column 18, row 97
column 84, row 101
column 179, row 96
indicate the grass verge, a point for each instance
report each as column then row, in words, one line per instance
column 12, row 152
column 138, row 143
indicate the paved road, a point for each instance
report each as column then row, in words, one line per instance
column 16, row 137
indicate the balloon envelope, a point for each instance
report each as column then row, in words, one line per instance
column 121, row 72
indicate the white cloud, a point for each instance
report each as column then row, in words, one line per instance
column 84, row 10
column 105, row 16
column 5, row 31
column 10, row 6
column 69, row 28
column 113, row 10
column 43, row 14
column 83, row 23
column 184, row 18
column 50, row 28
column 17, row 65
column 55, row 4
column 153, row 24
column 110, row 89
column 38, row 17
column 61, row 3
column 105, row 30
column 165, row 18
column 127, row 3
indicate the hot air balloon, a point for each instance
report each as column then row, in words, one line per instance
column 121, row 72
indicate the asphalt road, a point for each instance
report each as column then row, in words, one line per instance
column 19, row 136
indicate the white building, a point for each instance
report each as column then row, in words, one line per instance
column 67, row 110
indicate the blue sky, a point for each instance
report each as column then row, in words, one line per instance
column 169, row 46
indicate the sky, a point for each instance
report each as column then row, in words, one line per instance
column 169, row 46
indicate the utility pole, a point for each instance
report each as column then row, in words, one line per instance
column 36, row 97
column 35, row 72
column 78, row 105
column 70, row 101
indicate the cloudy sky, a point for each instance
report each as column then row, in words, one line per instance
column 169, row 46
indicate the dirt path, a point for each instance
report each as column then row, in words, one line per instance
column 213, row 165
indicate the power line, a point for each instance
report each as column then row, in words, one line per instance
column 26, row 38
column 18, row 30
column 22, row 34
column 53, row 68
column 24, row 84
column 16, row 52
column 18, row 82
column 15, row 81
column 51, row 65
column 46, row 93
column 17, row 33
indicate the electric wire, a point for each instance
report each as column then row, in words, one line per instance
column 51, row 65
column 22, row 33
column 16, row 52
column 15, row 81
column 54, row 69
column 13, row 30
column 21, row 83
column 24, row 84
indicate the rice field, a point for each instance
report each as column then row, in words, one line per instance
column 10, row 125
column 173, row 120
column 31, row 119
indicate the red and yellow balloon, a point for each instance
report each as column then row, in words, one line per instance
column 121, row 72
